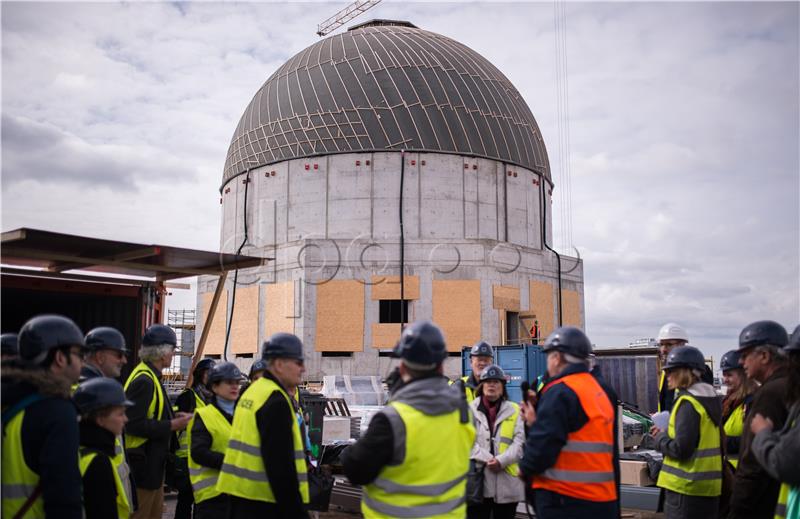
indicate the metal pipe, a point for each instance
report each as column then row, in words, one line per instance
column 402, row 243
column 544, row 243
column 236, row 272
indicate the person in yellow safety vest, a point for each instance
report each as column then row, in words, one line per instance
column 480, row 356
column 265, row 469
column 209, row 432
column 500, row 435
column 734, row 405
column 151, row 422
column 190, row 399
column 569, row 450
column 106, row 490
column 106, row 353
column 755, row 493
column 413, row 459
column 779, row 451
column 692, row 470
column 670, row 335
column 40, row 475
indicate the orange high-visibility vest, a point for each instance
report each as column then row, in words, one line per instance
column 584, row 468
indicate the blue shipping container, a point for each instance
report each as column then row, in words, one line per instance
column 520, row 362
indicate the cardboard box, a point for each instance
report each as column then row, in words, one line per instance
column 635, row 473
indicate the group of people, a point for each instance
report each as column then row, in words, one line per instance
column 77, row 443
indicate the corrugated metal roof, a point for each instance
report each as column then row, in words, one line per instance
column 383, row 86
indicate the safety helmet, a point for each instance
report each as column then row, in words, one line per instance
column 9, row 344
column 105, row 338
column 421, row 346
column 99, row 392
column 493, row 372
column 481, row 349
column 568, row 339
column 685, row 356
column 730, row 361
column 224, row 371
column 763, row 332
column 672, row 331
column 46, row 332
column 158, row 334
column 282, row 346
column 794, row 341
column 203, row 365
column 259, row 365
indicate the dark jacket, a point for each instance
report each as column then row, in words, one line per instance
column 687, row 423
column 88, row 371
column 186, row 402
column 202, row 440
column 148, row 461
column 100, row 490
column 755, row 493
column 778, row 451
column 277, row 452
column 49, row 437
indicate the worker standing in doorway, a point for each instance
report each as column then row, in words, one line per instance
column 480, row 356
column 569, row 449
column 264, row 469
column 414, row 457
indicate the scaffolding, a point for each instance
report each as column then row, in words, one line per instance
column 183, row 322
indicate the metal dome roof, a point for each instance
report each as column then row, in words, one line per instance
column 386, row 85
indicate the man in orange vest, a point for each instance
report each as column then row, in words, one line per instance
column 569, row 452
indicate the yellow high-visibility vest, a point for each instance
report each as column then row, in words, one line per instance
column 123, row 506
column 734, row 427
column 156, row 407
column 243, row 473
column 183, row 439
column 18, row 480
column 507, row 437
column 469, row 392
column 204, row 479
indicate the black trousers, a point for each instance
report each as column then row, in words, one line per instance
column 552, row 505
column 491, row 510
column 214, row 508
column 183, row 507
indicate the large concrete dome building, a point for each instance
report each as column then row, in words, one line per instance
column 381, row 150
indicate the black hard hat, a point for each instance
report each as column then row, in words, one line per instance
column 794, row 341
column 421, row 346
column 730, row 361
column 46, row 332
column 224, row 371
column 9, row 344
column 686, row 357
column 99, row 392
column 282, row 346
column 259, row 365
column 204, row 365
column 481, row 349
column 763, row 332
column 159, row 334
column 105, row 338
column 569, row 339
column 493, row 372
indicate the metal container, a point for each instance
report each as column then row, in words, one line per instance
column 520, row 362
column 634, row 376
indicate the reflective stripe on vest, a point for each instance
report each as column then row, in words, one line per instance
column 123, row 506
column 120, row 465
column 734, row 426
column 204, row 479
column 183, row 440
column 584, row 468
column 429, row 470
column 243, row 473
column 700, row 475
column 18, row 480
column 153, row 413
column 507, row 437
column 783, row 499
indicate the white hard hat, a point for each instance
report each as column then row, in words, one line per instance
column 672, row 331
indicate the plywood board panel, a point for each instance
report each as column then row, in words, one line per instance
column 388, row 287
column 340, row 316
column 457, row 310
column 505, row 297
column 385, row 335
column 571, row 314
column 541, row 303
column 244, row 328
column 215, row 342
column 279, row 308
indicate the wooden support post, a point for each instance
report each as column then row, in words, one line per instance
column 212, row 310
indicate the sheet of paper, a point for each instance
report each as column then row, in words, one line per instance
column 661, row 420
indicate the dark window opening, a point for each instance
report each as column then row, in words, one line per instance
column 393, row 310
column 512, row 328
column 337, row 353
column 385, row 353
column 215, row 357
column 244, row 355
column 453, row 353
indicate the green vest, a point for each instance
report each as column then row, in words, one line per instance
column 734, row 426
column 123, row 506
column 700, row 475
column 243, row 473
column 507, row 436
column 183, row 436
column 204, row 479
column 156, row 408
column 18, row 480
column 428, row 477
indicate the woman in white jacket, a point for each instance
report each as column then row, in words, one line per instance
column 500, row 436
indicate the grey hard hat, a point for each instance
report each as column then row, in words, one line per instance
column 282, row 346
column 730, row 361
column 685, row 356
column 421, row 345
column 99, row 392
column 493, row 372
column 570, row 340
column 224, row 371
column 46, row 332
column 105, row 338
column 481, row 349
column 158, row 334
column 763, row 332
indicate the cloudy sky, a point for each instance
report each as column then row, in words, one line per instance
column 683, row 121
